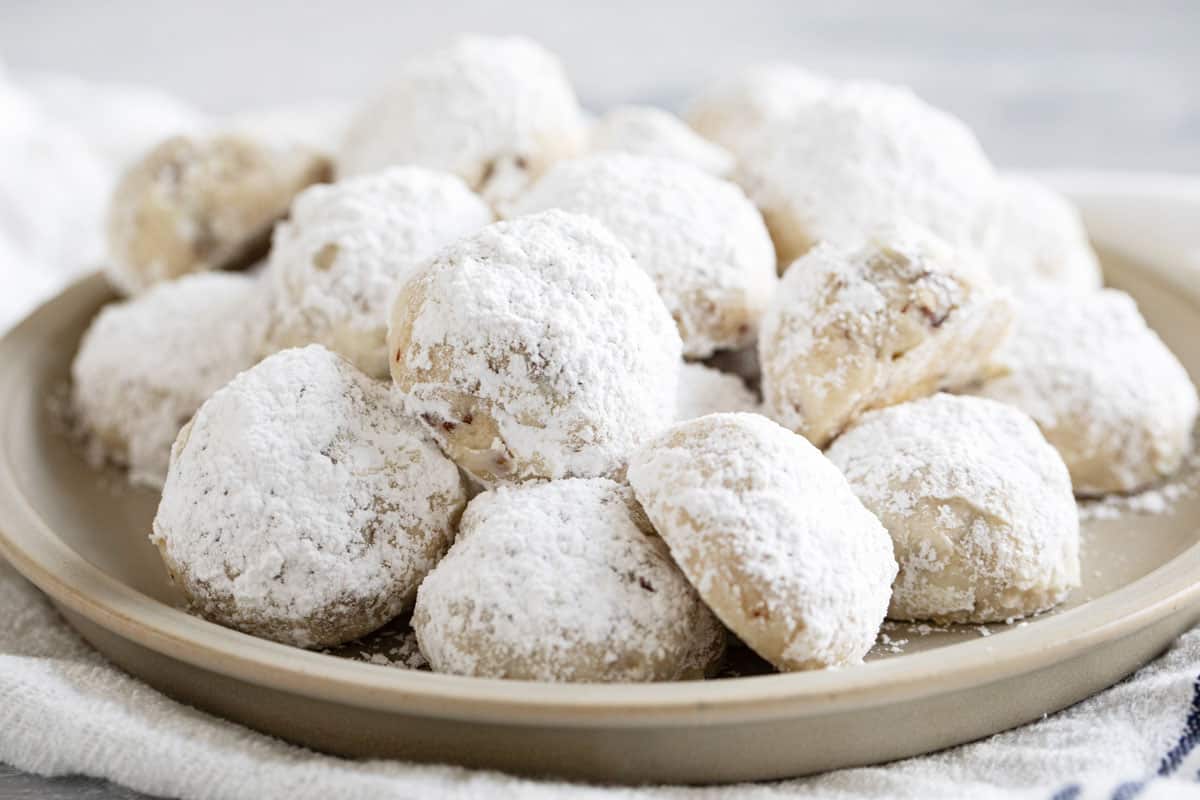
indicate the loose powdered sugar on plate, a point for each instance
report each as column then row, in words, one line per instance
column 1158, row 499
column 536, row 348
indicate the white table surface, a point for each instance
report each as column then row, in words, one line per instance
column 1100, row 83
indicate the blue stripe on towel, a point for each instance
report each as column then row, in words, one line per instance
column 1174, row 758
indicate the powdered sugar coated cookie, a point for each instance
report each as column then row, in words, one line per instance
column 563, row 581
column 536, row 348
column 697, row 236
column 1033, row 237
column 978, row 504
column 771, row 536
column 1106, row 392
column 302, row 505
column 736, row 108
column 496, row 111
column 855, row 329
column 192, row 205
column 862, row 157
column 336, row 262
column 706, row 390
column 146, row 364
column 649, row 131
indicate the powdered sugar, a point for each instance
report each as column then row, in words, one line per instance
column 336, row 262
column 978, row 504
column 562, row 581
column 302, row 505
column 649, row 131
column 697, row 236
column 536, row 348
column 705, row 390
column 1034, row 237
column 852, row 329
column 1105, row 390
column 494, row 111
column 861, row 157
column 147, row 364
column 770, row 534
column 732, row 110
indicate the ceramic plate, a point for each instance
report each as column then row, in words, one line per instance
column 80, row 535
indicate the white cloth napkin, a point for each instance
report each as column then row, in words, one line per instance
column 64, row 710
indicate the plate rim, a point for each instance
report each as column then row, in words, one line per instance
column 34, row 550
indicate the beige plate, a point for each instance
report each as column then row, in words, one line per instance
column 80, row 535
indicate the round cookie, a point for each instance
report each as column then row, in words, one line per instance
column 563, row 581
column 707, row 390
column 697, row 236
column 496, row 111
column 191, row 205
column 1034, row 238
column 146, row 364
column 1106, row 392
column 302, row 505
column 734, row 109
column 770, row 534
column 336, row 262
column 978, row 504
column 649, row 131
column 860, row 158
column 853, row 329
column 536, row 348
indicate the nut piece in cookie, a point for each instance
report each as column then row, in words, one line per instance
column 896, row 318
column 536, row 348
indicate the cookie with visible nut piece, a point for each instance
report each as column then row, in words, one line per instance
column 536, row 348
column 896, row 318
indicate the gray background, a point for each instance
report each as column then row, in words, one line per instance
column 1070, row 84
